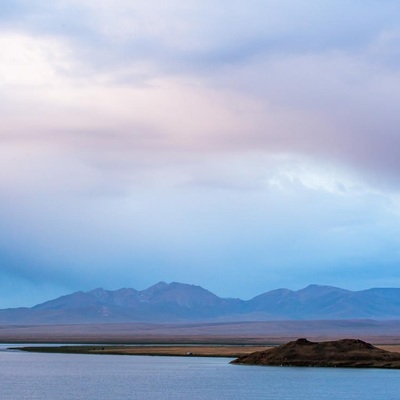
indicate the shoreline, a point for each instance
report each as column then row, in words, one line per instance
column 183, row 350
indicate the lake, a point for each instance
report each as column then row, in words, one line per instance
column 38, row 376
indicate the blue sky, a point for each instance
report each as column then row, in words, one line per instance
column 240, row 147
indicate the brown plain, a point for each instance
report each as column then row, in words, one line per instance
column 251, row 333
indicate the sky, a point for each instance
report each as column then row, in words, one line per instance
column 239, row 146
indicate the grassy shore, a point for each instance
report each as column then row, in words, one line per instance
column 164, row 350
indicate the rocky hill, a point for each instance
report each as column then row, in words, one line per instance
column 340, row 353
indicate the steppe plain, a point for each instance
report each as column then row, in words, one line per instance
column 199, row 339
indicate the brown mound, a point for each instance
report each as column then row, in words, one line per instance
column 340, row 353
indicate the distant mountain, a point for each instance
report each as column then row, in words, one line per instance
column 162, row 302
column 178, row 302
column 327, row 302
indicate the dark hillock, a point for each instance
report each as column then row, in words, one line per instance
column 340, row 353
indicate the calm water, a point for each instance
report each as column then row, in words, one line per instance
column 74, row 377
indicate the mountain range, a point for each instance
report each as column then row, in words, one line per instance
column 179, row 302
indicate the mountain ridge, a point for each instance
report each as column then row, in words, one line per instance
column 180, row 302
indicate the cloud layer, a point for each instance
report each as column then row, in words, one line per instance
column 237, row 146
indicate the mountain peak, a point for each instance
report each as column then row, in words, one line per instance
column 318, row 286
column 158, row 285
column 97, row 291
column 321, row 288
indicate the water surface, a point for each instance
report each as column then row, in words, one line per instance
column 38, row 376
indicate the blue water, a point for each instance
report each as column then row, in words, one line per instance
column 35, row 376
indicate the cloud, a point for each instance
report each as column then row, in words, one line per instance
column 175, row 140
column 196, row 35
column 273, row 78
column 166, row 228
